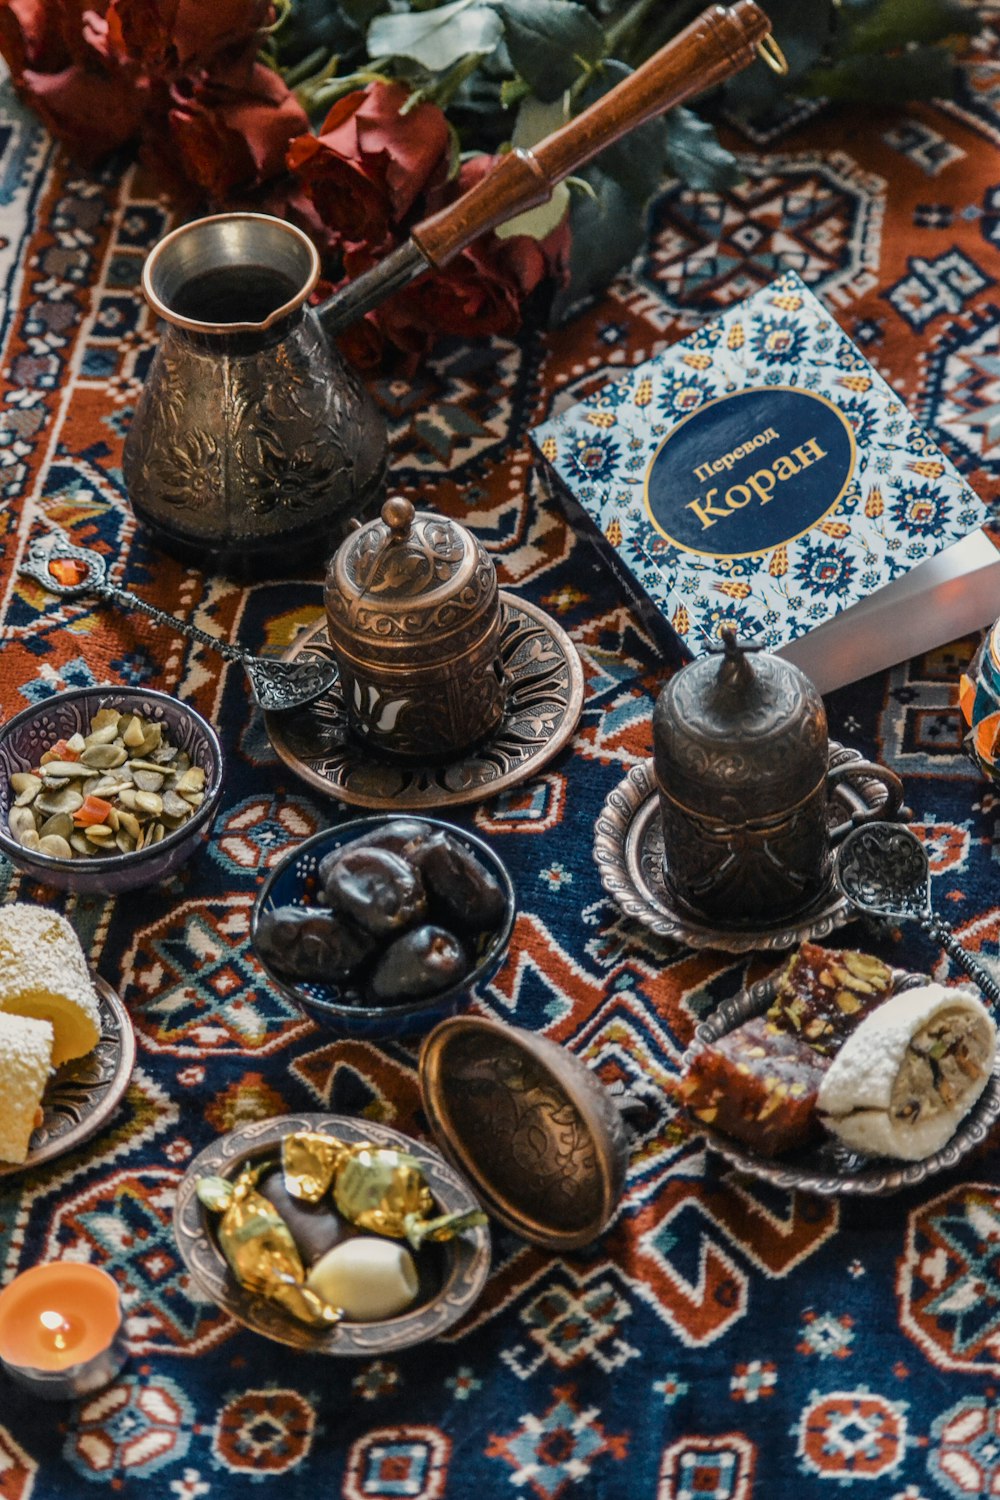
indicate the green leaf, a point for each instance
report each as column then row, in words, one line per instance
column 550, row 42
column 436, row 39
column 607, row 232
column 900, row 23
column 695, row 156
column 361, row 12
column 921, row 73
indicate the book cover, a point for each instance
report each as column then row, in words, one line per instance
column 759, row 472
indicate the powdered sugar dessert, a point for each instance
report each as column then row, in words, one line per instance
column 25, row 1064
column 904, row 1080
column 44, row 974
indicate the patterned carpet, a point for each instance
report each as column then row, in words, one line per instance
column 723, row 1340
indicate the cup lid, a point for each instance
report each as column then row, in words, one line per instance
column 529, row 1125
column 406, row 577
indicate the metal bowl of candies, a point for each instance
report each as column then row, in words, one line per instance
column 382, row 927
column 104, row 789
column 333, row 1235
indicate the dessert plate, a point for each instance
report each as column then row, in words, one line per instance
column 628, row 850
column 466, row 1258
column 82, row 1095
column 544, row 702
column 828, row 1167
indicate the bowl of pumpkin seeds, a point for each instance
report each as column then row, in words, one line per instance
column 103, row 789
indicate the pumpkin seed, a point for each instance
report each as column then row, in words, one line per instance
column 79, row 844
column 102, row 718
column 102, row 736
column 52, row 844
column 66, row 800
column 60, row 825
column 20, row 821
column 148, row 781
column 65, row 768
column 30, row 840
column 149, row 802
column 27, row 787
column 104, row 757
column 76, row 743
column 125, row 841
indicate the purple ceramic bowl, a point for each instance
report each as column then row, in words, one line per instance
column 25, row 737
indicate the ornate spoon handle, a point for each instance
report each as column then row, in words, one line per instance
column 937, row 928
column 130, row 601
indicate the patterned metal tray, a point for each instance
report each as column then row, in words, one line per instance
column 828, row 1167
column 467, row 1256
column 543, row 708
column 628, row 850
column 82, row 1095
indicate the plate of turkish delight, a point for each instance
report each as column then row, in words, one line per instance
column 839, row 1074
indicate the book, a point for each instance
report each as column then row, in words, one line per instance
column 761, row 473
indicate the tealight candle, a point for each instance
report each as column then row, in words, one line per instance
column 61, row 1330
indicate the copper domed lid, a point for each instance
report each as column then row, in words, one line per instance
column 750, row 728
column 407, row 582
column 532, row 1128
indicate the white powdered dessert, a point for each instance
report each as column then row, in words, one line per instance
column 25, row 1063
column 901, row 1084
column 44, row 974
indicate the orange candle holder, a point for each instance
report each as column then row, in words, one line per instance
column 62, row 1330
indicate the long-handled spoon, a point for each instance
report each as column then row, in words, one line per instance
column 64, row 569
column 883, row 869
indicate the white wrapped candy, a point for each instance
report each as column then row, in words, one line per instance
column 910, row 1073
column 368, row 1278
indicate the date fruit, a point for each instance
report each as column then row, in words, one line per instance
column 378, row 890
column 463, row 895
column 309, row 943
column 418, row 964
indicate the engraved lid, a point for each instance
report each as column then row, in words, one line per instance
column 749, row 727
column 533, row 1129
column 406, row 581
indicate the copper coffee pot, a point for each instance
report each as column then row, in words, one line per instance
column 252, row 442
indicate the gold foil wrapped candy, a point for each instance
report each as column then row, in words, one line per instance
column 259, row 1246
column 309, row 1163
column 382, row 1189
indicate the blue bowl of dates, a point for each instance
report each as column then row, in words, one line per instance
column 382, row 927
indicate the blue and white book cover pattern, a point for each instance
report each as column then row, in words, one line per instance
column 804, row 490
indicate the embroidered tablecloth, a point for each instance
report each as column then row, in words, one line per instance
column 723, row 1339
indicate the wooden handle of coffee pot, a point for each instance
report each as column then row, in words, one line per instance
column 718, row 43
column 721, row 41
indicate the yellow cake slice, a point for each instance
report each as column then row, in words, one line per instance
column 25, row 1064
column 44, row 974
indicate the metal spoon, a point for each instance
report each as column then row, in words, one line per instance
column 275, row 684
column 883, row 869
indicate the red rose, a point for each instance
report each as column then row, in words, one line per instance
column 369, row 164
column 179, row 36
column 93, row 110
column 31, row 36
column 481, row 292
column 231, row 129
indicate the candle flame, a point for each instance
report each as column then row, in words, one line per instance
column 58, row 1329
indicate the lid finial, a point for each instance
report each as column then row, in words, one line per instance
column 398, row 513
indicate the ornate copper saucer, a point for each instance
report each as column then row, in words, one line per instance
column 827, row 1167
column 544, row 701
column 83, row 1094
column 466, row 1257
column 628, row 849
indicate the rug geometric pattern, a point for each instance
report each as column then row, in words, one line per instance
column 723, row 1338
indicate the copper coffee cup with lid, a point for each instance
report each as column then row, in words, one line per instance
column 414, row 615
column 742, row 763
